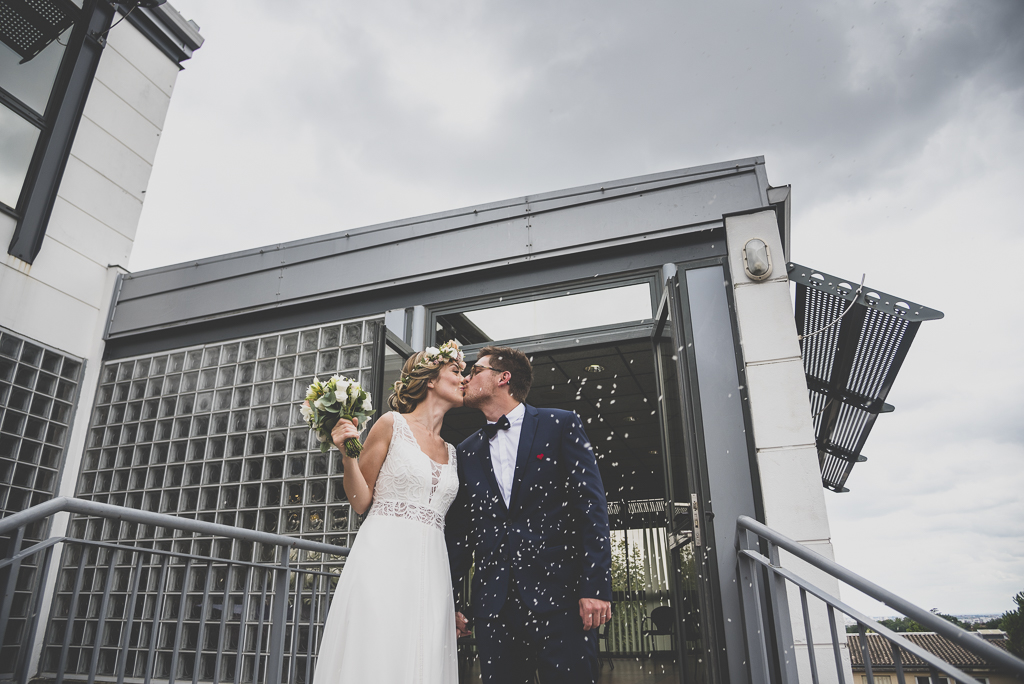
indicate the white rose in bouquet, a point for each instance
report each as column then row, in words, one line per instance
column 328, row 402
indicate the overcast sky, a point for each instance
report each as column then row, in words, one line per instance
column 899, row 125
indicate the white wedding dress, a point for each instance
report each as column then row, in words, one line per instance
column 392, row 620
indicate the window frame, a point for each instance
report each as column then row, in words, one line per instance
column 58, row 126
column 648, row 276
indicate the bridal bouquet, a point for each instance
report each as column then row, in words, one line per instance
column 327, row 402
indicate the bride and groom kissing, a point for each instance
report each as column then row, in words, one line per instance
column 521, row 500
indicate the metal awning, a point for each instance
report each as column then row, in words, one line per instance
column 853, row 341
column 28, row 26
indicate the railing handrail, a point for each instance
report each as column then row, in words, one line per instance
column 960, row 636
column 910, row 647
column 74, row 505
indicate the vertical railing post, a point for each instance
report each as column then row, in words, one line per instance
column 222, row 637
column 296, row 615
column 126, row 638
column 10, row 581
column 58, row 526
column 866, row 653
column 202, row 621
column 242, row 624
column 783, row 625
column 309, row 630
column 279, row 618
column 40, row 592
column 182, row 601
column 72, row 611
column 836, row 651
column 810, row 637
column 897, row 660
column 259, row 628
column 753, row 620
column 158, row 609
column 97, row 642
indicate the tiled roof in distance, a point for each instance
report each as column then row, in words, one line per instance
column 881, row 652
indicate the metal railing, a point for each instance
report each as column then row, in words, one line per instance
column 769, row 630
column 254, row 623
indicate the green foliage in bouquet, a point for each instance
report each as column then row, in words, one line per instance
column 328, row 402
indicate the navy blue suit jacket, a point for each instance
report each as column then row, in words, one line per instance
column 552, row 541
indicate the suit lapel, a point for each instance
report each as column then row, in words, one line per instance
column 527, row 433
column 484, row 452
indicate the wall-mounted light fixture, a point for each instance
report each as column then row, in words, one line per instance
column 757, row 259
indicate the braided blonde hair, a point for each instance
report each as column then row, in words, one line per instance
column 411, row 388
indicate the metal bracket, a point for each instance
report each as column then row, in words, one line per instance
column 871, row 298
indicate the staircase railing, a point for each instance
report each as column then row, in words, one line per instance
column 772, row 642
column 253, row 614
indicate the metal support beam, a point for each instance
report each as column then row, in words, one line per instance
column 67, row 102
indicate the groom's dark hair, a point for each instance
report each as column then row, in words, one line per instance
column 516, row 363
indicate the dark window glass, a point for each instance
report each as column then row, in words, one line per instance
column 32, row 81
column 17, row 141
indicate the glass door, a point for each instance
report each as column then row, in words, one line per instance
column 693, row 598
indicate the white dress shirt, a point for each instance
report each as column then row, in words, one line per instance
column 504, row 449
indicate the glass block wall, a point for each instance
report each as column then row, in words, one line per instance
column 211, row 432
column 38, row 389
column 37, row 395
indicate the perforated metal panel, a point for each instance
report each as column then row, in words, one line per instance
column 28, row 26
column 853, row 345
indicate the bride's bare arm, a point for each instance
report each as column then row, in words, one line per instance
column 361, row 475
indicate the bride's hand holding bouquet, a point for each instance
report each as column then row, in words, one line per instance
column 339, row 401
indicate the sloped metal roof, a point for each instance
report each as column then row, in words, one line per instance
column 414, row 250
column 853, row 341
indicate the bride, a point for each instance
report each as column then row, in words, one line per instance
column 392, row 619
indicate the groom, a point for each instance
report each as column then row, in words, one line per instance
column 531, row 509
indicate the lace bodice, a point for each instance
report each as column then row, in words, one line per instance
column 411, row 485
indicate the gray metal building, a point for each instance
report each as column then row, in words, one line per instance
column 659, row 308
column 620, row 292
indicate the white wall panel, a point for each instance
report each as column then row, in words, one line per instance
column 88, row 190
column 787, row 475
column 779, row 406
column 111, row 158
column 119, row 119
column 74, row 274
column 36, row 310
column 86, row 235
column 132, row 86
column 138, row 51
column 826, row 662
column 767, row 326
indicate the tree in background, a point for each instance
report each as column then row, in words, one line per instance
column 905, row 624
column 628, row 581
column 1013, row 624
column 988, row 624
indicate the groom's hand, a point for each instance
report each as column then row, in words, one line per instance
column 461, row 625
column 594, row 612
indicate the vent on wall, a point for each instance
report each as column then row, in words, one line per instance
column 853, row 341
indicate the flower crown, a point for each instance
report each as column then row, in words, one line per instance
column 435, row 357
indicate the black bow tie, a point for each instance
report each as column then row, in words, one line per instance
column 492, row 428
